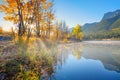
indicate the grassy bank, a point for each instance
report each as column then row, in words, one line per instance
column 32, row 61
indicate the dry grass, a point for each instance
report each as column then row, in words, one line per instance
column 30, row 61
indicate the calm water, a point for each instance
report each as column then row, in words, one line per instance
column 88, row 61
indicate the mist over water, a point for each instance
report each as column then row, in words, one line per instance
column 89, row 60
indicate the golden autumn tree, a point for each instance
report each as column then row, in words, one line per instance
column 43, row 17
column 49, row 16
column 77, row 32
column 37, row 16
column 13, row 10
column 27, row 13
column 62, row 31
column 1, row 30
column 40, row 16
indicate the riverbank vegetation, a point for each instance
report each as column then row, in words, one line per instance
column 30, row 54
column 28, row 61
column 114, row 34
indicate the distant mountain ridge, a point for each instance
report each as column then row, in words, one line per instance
column 110, row 20
column 111, row 14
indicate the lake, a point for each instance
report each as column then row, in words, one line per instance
column 88, row 60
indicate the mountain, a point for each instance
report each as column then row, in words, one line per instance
column 110, row 20
column 111, row 14
column 87, row 26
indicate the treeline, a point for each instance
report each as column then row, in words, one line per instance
column 34, row 18
column 62, row 30
column 112, row 34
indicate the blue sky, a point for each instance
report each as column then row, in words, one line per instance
column 83, row 11
column 78, row 11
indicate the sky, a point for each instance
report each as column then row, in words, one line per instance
column 75, row 12
column 83, row 11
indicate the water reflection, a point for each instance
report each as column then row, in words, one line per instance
column 81, row 61
column 108, row 55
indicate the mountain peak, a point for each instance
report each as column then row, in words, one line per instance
column 111, row 14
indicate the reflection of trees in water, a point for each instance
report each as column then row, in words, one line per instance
column 109, row 55
column 77, row 50
column 62, row 55
column 64, row 50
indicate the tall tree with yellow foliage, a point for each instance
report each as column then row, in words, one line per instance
column 25, row 13
column 77, row 32
column 1, row 30
column 15, row 11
